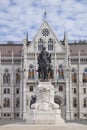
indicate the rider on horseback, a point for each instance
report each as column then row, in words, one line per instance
column 44, row 60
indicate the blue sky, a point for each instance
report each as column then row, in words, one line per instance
column 20, row 16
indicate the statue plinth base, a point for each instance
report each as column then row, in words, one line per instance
column 45, row 111
column 44, row 118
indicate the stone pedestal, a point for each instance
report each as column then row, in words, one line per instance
column 45, row 111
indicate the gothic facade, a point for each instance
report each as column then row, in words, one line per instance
column 19, row 75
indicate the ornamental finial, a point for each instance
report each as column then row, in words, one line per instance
column 45, row 14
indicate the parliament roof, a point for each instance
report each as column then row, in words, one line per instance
column 8, row 48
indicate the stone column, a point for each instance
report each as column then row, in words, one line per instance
column 67, row 97
column 80, row 88
column 68, row 85
column 12, row 91
column 21, row 89
column 70, row 93
column 25, row 78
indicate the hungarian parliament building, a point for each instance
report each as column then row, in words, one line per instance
column 19, row 75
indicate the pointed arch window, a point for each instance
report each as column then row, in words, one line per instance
column 85, row 102
column 74, row 75
column 85, row 75
column 18, row 76
column 50, row 44
column 6, row 91
column 61, row 72
column 74, row 102
column 31, row 73
column 6, row 77
column 51, row 72
column 17, row 102
column 6, row 102
column 40, row 44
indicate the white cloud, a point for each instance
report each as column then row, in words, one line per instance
column 19, row 16
column 4, row 4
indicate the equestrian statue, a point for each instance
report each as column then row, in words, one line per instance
column 44, row 65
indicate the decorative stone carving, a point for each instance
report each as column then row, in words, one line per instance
column 45, row 97
column 45, row 111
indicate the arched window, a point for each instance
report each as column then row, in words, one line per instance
column 85, row 75
column 17, row 77
column 60, row 88
column 8, row 91
column 31, row 88
column 51, row 73
column 6, row 102
column 61, row 72
column 40, row 44
column 85, row 102
column 74, row 76
column 50, row 44
column 31, row 73
column 6, row 77
column 17, row 102
column 74, row 102
column 4, row 90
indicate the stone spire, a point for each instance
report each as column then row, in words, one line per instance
column 25, row 40
column 26, row 36
column 45, row 15
column 64, row 36
column 65, row 39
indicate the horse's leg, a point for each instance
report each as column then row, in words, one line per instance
column 41, row 75
column 45, row 73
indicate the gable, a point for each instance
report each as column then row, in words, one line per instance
column 44, row 35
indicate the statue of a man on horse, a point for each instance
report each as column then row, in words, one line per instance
column 44, row 64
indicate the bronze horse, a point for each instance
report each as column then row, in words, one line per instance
column 44, row 61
